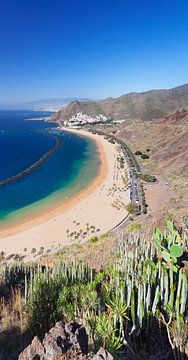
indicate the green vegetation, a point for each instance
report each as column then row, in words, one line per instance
column 133, row 227
column 41, row 309
column 144, row 156
column 147, row 178
column 132, row 208
column 143, row 199
column 121, row 162
column 170, row 248
column 138, row 152
column 93, row 240
column 143, row 291
column 2, row 255
column 33, row 251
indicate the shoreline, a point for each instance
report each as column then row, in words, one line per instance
column 39, row 230
column 55, row 209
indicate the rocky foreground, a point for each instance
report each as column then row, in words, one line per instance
column 70, row 342
column 63, row 342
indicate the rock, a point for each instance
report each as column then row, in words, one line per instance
column 67, row 340
column 71, row 327
column 55, row 342
column 82, row 339
column 35, row 351
column 103, row 355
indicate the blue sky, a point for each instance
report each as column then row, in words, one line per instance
column 90, row 48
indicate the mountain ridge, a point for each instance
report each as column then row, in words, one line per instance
column 147, row 105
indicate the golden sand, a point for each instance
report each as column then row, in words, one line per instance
column 95, row 206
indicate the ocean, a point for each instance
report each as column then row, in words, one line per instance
column 67, row 171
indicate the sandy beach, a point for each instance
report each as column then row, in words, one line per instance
column 92, row 212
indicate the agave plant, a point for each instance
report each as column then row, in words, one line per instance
column 106, row 333
column 118, row 310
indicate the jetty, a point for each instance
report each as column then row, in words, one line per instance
column 34, row 166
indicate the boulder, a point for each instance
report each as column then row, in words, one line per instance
column 55, row 342
column 62, row 339
column 79, row 340
column 35, row 351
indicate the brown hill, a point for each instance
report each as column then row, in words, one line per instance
column 167, row 144
column 154, row 104
column 89, row 108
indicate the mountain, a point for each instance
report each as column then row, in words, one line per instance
column 153, row 104
column 41, row 105
column 87, row 107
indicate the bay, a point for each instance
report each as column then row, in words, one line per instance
column 70, row 169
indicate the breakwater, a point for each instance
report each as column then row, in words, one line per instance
column 35, row 165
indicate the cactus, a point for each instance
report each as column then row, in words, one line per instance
column 168, row 247
column 142, row 282
column 176, row 251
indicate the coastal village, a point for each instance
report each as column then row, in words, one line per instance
column 81, row 119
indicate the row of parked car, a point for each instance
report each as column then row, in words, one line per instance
column 134, row 188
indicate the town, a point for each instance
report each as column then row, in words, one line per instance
column 82, row 119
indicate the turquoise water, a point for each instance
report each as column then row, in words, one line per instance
column 70, row 169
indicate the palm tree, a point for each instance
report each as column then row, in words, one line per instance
column 2, row 256
column 16, row 257
column 67, row 232
column 33, row 251
column 41, row 250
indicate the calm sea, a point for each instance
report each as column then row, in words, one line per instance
column 67, row 171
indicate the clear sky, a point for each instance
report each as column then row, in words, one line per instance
column 93, row 48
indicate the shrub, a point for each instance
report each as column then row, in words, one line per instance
column 42, row 309
column 133, row 227
column 93, row 240
column 132, row 208
column 144, row 210
column 138, row 152
column 144, row 156
column 66, row 302
column 148, row 178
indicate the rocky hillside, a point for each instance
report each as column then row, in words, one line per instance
column 89, row 108
column 154, row 104
column 166, row 143
column 180, row 117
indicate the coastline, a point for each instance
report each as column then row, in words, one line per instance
column 55, row 209
column 39, row 231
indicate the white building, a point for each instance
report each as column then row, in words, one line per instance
column 81, row 119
